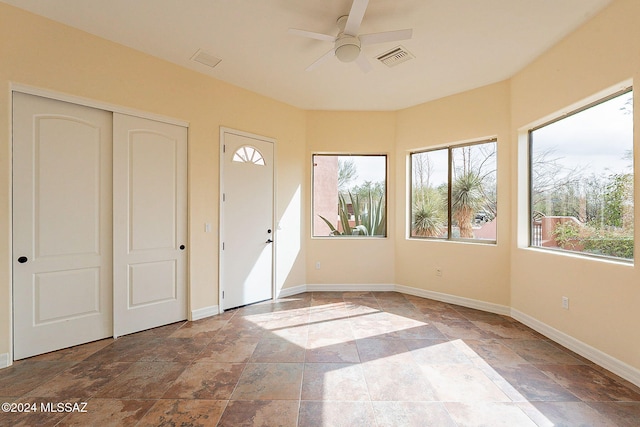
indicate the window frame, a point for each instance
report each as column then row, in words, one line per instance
column 530, row 154
column 385, row 195
column 449, row 148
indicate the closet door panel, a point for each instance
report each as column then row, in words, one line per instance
column 150, row 223
column 62, row 225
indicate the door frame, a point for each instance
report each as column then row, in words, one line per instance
column 86, row 102
column 224, row 130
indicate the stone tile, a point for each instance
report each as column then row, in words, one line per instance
column 411, row 414
column 569, row 414
column 294, row 334
column 334, row 381
column 179, row 349
column 260, row 413
column 589, row 384
column 533, row 384
column 336, row 414
column 463, row 329
column 75, row 354
column 462, row 383
column 437, row 352
column 130, row 348
column 494, row 353
column 158, row 332
column 541, row 352
column 623, row 414
column 375, row 349
column 144, row 380
column 269, row 381
column 492, row 414
column 379, row 358
column 109, row 413
column 25, row 375
column 32, row 415
column 397, row 382
column 80, row 381
column 473, row 314
column 193, row 413
column 212, row 381
column 334, row 329
column 205, row 328
column 277, row 350
column 505, row 329
column 331, row 351
column 228, row 351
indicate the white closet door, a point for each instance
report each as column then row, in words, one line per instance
column 150, row 223
column 61, row 225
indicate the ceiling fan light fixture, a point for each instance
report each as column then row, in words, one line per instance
column 347, row 48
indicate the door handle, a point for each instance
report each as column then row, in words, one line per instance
column 23, row 259
column 182, row 247
column 269, row 241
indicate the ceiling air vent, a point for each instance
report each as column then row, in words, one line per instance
column 205, row 58
column 395, row 56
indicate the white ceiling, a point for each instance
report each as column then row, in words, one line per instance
column 458, row 44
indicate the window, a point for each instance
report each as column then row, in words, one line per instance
column 248, row 154
column 349, row 195
column 453, row 192
column 581, row 180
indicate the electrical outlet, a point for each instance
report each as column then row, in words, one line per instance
column 438, row 272
column 565, row 303
column 317, row 265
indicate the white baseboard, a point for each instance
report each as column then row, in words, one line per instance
column 453, row 299
column 608, row 362
column 350, row 287
column 4, row 360
column 294, row 290
column 388, row 287
column 204, row 312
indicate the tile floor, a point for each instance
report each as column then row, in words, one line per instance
column 325, row 359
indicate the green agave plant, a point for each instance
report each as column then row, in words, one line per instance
column 369, row 216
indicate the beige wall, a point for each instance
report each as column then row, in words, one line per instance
column 606, row 51
column 477, row 271
column 363, row 260
column 44, row 54
column 604, row 296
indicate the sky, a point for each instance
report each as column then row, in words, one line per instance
column 596, row 139
column 370, row 168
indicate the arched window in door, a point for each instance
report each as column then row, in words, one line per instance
column 248, row 154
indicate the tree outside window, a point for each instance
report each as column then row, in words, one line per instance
column 581, row 168
column 453, row 192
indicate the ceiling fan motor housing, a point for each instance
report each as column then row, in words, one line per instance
column 347, row 48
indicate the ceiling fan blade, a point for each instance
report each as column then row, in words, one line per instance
column 387, row 36
column 358, row 8
column 363, row 63
column 320, row 60
column 311, row 35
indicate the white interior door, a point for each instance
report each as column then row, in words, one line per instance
column 247, row 232
column 150, row 223
column 61, row 225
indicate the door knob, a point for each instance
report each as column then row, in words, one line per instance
column 182, row 247
column 23, row 259
column 269, row 241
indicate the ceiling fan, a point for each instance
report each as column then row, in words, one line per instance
column 348, row 43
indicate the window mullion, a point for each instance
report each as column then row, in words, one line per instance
column 449, row 193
